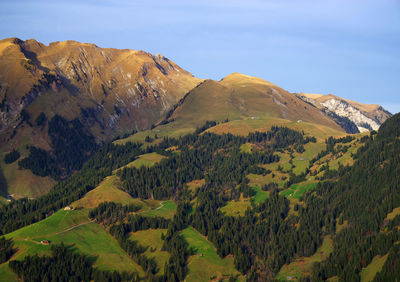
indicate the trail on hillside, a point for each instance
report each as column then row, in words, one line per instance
column 73, row 227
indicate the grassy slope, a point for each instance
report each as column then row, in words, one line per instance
column 73, row 228
column 147, row 160
column 395, row 212
column 209, row 265
column 303, row 266
column 238, row 208
column 368, row 273
column 107, row 191
column 250, row 104
column 297, row 190
column 22, row 182
column 260, row 195
column 152, row 239
column 166, row 209
column 263, row 123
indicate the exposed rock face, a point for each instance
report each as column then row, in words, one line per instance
column 344, row 109
column 110, row 90
column 364, row 117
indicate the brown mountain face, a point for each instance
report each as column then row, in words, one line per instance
column 111, row 91
column 67, row 97
column 239, row 96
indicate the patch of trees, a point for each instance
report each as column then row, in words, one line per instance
column 6, row 249
column 24, row 212
column 293, row 179
column 72, row 146
column 331, row 142
column 25, row 116
column 265, row 232
column 176, row 267
column 71, row 143
column 109, row 212
column 138, row 222
column 206, row 126
column 217, row 158
column 41, row 119
column 132, row 248
column 11, row 157
column 280, row 137
column 330, row 147
column 40, row 162
column 64, row 265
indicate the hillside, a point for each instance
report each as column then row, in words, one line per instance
column 205, row 206
column 241, row 104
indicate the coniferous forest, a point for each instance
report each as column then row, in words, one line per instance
column 263, row 240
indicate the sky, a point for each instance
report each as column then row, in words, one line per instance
column 350, row 48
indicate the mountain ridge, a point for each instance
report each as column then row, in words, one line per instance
column 106, row 93
column 365, row 117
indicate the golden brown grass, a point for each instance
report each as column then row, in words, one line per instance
column 107, row 191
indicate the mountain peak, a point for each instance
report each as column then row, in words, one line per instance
column 239, row 78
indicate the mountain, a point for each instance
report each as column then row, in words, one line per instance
column 239, row 96
column 355, row 116
column 227, row 180
column 240, row 104
column 49, row 94
column 120, row 90
column 60, row 103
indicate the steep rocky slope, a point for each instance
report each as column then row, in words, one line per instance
column 111, row 90
column 362, row 116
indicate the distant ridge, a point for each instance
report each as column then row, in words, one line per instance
column 365, row 117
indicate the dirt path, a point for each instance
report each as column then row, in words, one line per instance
column 161, row 205
column 73, row 227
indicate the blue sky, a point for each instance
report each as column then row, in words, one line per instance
column 350, row 48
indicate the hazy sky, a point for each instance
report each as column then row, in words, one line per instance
column 350, row 48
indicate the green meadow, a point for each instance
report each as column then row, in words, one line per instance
column 205, row 264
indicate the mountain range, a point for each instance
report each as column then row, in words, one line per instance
column 108, row 93
column 118, row 165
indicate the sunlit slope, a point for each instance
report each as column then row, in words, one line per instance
column 240, row 96
column 110, row 91
column 122, row 86
column 241, row 104
column 72, row 228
